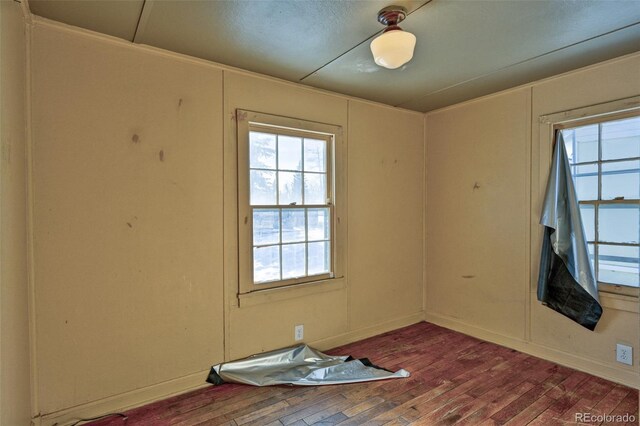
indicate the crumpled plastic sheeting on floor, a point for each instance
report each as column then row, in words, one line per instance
column 299, row 365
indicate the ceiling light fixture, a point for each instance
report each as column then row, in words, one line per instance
column 394, row 47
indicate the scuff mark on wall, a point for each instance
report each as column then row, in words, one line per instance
column 135, row 138
column 468, row 276
column 6, row 152
column 383, row 162
column 161, row 155
column 130, row 224
column 476, row 185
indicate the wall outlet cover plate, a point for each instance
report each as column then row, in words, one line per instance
column 298, row 332
column 624, row 354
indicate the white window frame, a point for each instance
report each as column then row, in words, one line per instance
column 610, row 111
column 254, row 121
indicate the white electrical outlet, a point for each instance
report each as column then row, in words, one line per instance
column 298, row 332
column 624, row 354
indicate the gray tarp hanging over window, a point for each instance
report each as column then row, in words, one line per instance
column 299, row 365
column 566, row 282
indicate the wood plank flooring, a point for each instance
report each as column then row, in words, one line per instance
column 455, row 379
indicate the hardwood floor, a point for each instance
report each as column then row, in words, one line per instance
column 455, row 379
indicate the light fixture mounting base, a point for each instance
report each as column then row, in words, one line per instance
column 392, row 15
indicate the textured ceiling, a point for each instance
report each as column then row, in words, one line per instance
column 465, row 48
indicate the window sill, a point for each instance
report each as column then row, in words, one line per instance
column 277, row 294
column 619, row 302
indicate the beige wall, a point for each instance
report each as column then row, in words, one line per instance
column 127, row 177
column 477, row 212
column 483, row 244
column 14, row 326
column 385, row 224
column 134, row 254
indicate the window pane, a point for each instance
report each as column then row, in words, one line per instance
column 263, row 187
column 587, row 212
column 315, row 188
column 621, row 139
column 318, row 224
column 568, row 136
column 293, row 225
column 289, row 153
column 582, row 143
column 586, row 181
column 618, row 264
column 314, row 155
column 621, row 179
column 592, row 256
column 619, row 223
column 293, row 261
column 290, row 186
column 262, row 150
column 318, row 258
column 266, row 226
column 266, row 264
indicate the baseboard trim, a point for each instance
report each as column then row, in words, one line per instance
column 586, row 365
column 125, row 401
column 138, row 397
column 364, row 333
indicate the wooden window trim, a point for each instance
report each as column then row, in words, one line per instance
column 336, row 188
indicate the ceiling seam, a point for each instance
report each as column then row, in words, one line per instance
column 516, row 64
column 145, row 10
column 357, row 45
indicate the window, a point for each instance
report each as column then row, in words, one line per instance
column 287, row 201
column 604, row 155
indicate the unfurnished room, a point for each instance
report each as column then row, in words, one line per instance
column 319, row 212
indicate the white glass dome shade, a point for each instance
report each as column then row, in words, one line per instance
column 393, row 48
